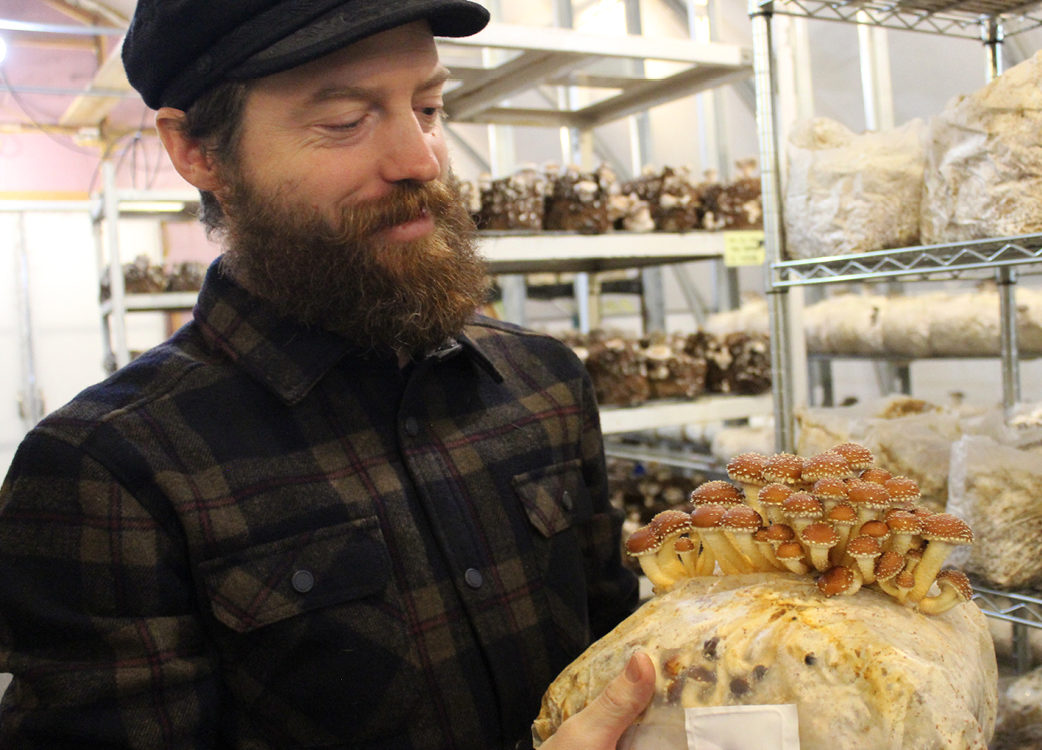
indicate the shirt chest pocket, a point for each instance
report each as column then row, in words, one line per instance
column 554, row 497
column 558, row 507
column 310, row 628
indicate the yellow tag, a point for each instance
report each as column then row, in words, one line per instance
column 744, row 248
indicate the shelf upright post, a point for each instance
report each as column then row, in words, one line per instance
column 761, row 12
column 30, row 402
column 110, row 217
column 993, row 35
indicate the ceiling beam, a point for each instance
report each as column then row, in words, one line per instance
column 88, row 109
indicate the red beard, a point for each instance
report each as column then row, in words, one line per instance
column 407, row 297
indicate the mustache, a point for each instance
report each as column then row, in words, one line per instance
column 406, row 202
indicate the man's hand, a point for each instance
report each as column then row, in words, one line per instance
column 600, row 724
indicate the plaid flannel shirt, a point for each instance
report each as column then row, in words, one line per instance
column 255, row 537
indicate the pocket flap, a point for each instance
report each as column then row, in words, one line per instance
column 553, row 496
column 274, row 581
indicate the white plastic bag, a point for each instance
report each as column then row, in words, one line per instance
column 851, row 193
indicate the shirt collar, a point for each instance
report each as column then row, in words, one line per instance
column 289, row 358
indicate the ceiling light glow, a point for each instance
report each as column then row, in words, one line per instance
column 3, row 50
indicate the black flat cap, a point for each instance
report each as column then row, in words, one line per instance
column 176, row 50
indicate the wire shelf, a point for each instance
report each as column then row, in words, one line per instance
column 968, row 19
column 1016, row 607
column 926, row 261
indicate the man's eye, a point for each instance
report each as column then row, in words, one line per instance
column 344, row 126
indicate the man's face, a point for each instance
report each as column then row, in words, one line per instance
column 341, row 208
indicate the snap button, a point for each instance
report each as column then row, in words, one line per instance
column 566, row 500
column 474, row 578
column 302, row 581
column 412, row 426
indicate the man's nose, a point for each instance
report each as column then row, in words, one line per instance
column 409, row 152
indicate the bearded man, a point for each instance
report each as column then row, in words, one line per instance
column 337, row 509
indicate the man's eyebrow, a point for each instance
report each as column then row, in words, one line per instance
column 363, row 93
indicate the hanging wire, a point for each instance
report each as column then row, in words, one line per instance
column 27, row 111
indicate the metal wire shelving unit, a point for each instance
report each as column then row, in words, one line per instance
column 990, row 22
column 1023, row 610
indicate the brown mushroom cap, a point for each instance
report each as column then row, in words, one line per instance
column 903, row 489
column 717, row 491
column 864, row 546
column 670, row 522
column 836, row 580
column 826, row 464
column 783, row 468
column 958, row 581
column 944, row 527
column 789, row 551
column 802, row 505
column 778, row 533
column 903, row 522
column 870, row 495
column 888, row 565
column 747, row 468
column 741, row 518
column 830, row 488
column 643, row 541
column 774, row 494
column 843, row 514
column 875, row 475
column 707, row 516
column 819, row 535
column 684, row 544
column 858, row 456
column 875, row 529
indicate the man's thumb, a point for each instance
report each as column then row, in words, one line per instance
column 622, row 701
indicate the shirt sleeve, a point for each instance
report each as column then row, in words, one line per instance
column 97, row 621
column 613, row 589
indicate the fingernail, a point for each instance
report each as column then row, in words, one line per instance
column 633, row 669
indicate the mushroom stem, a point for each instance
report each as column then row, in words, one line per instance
column 955, row 589
column 706, row 563
column 659, row 578
column 730, row 559
column 668, row 560
column 687, row 551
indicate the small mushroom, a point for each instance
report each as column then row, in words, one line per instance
column 801, row 509
column 904, row 528
column 644, row 545
column 828, row 464
column 747, row 470
column 875, row 475
column 706, row 521
column 718, row 492
column 843, row 519
column 818, row 539
column 766, row 548
column 792, row 557
column 830, row 491
column 784, row 468
column 888, row 566
column 903, row 490
column 839, row 580
column 858, row 456
column 670, row 525
column 864, row 550
column 955, row 588
column 740, row 522
column 772, row 497
column 870, row 499
column 687, row 551
column 942, row 532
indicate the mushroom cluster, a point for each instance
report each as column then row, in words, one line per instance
column 835, row 516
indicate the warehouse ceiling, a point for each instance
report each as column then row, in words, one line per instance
column 62, row 72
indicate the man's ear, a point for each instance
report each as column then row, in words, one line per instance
column 187, row 154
